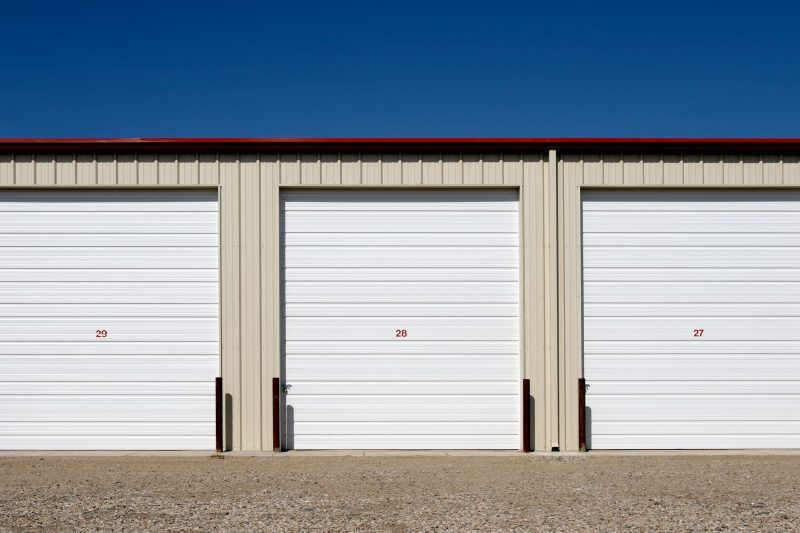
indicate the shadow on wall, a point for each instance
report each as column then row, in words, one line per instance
column 289, row 427
column 228, row 422
column 588, row 411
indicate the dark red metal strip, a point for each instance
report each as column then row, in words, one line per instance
column 218, row 405
column 276, row 412
column 526, row 415
column 627, row 144
column 582, row 414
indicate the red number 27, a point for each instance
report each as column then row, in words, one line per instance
column 697, row 333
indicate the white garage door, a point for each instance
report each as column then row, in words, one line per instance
column 108, row 319
column 402, row 319
column 692, row 318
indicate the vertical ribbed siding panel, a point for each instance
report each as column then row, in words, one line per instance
column 126, row 169
column 45, row 169
column 533, row 286
column 208, row 169
column 86, row 169
column 188, row 169
column 106, row 169
column 613, row 170
column 773, row 169
column 250, row 289
column 732, row 169
column 753, row 169
column 791, row 169
column 65, row 169
column 592, row 166
column 230, row 288
column 452, row 169
column 692, row 169
column 271, row 302
column 472, row 168
column 331, row 169
column 168, row 169
column 551, row 276
column 6, row 169
column 570, row 281
column 653, row 169
column 310, row 169
column 147, row 169
column 392, row 169
column 290, row 169
column 370, row 169
column 512, row 169
column 632, row 169
column 411, row 169
column 713, row 170
column 351, row 169
column 565, row 166
column 492, row 169
column 432, row 169
column 24, row 169
column 673, row 169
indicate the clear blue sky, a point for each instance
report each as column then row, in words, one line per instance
column 400, row 68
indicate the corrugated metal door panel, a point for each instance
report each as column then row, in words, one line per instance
column 141, row 266
column 691, row 312
column 443, row 266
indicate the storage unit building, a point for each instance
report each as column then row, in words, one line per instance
column 399, row 294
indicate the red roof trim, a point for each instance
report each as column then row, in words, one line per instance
column 398, row 144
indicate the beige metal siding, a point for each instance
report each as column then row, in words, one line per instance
column 634, row 170
column 250, row 247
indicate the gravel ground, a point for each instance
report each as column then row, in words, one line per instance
column 433, row 493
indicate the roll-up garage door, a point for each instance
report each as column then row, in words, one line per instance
column 108, row 319
column 692, row 318
column 402, row 319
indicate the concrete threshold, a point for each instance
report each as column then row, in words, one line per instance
column 107, row 453
column 394, row 453
column 663, row 453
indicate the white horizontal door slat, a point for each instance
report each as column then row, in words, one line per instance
column 691, row 314
column 94, row 275
column 99, row 222
column 401, row 256
column 400, row 309
column 390, row 221
column 442, row 266
column 109, row 319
